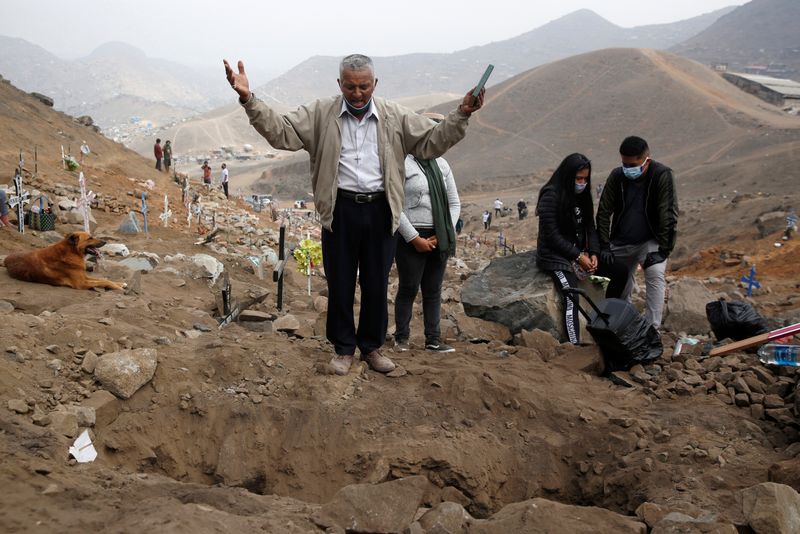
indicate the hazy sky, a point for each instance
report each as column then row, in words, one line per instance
column 274, row 36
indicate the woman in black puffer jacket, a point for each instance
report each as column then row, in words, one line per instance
column 567, row 246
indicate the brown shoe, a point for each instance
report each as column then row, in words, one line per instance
column 378, row 362
column 341, row 364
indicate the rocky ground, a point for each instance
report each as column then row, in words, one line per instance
column 242, row 428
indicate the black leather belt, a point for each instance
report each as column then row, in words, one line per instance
column 362, row 198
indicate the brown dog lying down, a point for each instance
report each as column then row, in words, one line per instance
column 61, row 264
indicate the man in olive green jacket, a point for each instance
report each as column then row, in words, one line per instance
column 357, row 145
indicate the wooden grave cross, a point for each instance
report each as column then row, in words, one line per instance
column 84, row 203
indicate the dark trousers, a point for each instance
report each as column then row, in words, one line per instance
column 417, row 270
column 361, row 244
column 565, row 280
column 225, row 188
column 617, row 273
column 158, row 163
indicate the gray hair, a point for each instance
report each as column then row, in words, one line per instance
column 356, row 62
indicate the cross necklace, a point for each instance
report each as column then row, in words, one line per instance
column 354, row 137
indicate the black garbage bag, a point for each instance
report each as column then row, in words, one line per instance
column 624, row 336
column 734, row 319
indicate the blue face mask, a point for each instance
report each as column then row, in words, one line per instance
column 632, row 173
column 579, row 188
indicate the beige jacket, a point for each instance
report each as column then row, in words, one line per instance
column 317, row 128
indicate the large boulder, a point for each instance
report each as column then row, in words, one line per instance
column 771, row 223
column 124, row 372
column 386, row 508
column 512, row 291
column 540, row 515
column 686, row 309
column 771, row 508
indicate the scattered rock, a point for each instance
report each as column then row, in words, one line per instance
column 541, row 515
column 115, row 249
column 130, row 225
column 124, row 372
column 64, row 423
column 686, row 309
column 446, row 517
column 286, row 323
column 365, row 508
column 770, row 507
column 6, row 307
column 18, row 406
column 44, row 99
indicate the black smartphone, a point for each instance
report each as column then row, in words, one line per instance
column 484, row 78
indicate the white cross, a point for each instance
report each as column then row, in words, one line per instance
column 84, row 203
column 13, row 201
column 167, row 213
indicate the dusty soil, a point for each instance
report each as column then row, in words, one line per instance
column 242, row 430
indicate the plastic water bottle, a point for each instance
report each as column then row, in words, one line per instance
column 773, row 354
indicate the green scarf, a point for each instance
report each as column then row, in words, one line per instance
column 442, row 222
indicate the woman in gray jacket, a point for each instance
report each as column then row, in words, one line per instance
column 426, row 239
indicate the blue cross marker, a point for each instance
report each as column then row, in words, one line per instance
column 791, row 219
column 144, row 212
column 751, row 281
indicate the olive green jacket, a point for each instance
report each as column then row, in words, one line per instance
column 316, row 127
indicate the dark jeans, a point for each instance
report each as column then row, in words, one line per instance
column 225, row 188
column 158, row 163
column 415, row 270
column 361, row 244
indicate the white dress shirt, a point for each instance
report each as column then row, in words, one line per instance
column 359, row 165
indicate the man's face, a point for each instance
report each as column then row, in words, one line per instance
column 357, row 86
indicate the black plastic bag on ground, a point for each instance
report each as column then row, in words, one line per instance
column 734, row 319
column 623, row 335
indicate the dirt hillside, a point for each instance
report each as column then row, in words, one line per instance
column 241, row 429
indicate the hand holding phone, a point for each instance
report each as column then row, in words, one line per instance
column 473, row 101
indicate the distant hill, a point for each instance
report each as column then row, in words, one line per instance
column 693, row 119
column 716, row 137
column 114, row 71
column 28, row 126
column 762, row 32
column 412, row 74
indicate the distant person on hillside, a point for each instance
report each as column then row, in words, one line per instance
column 4, row 209
column 158, row 152
column 498, row 207
column 357, row 144
column 567, row 245
column 224, row 179
column 487, row 219
column 522, row 209
column 84, row 151
column 599, row 191
column 167, row 155
column 426, row 238
column 206, row 175
column 637, row 221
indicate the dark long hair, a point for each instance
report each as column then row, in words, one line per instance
column 563, row 183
